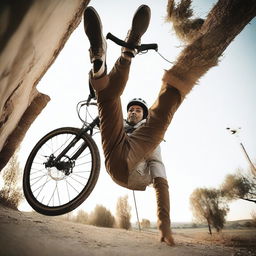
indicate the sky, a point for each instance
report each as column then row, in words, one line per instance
column 198, row 151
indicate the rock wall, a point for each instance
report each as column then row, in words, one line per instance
column 32, row 33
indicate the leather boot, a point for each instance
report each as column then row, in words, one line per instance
column 140, row 24
column 163, row 210
column 98, row 44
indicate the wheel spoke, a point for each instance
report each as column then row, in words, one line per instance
column 88, row 154
column 81, row 171
column 82, row 177
column 38, row 163
column 77, row 181
column 67, row 140
column 42, row 186
column 58, row 193
column 84, row 163
column 38, row 177
column 52, row 196
column 73, row 187
column 37, row 170
column 68, row 191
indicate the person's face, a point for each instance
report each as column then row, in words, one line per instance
column 135, row 114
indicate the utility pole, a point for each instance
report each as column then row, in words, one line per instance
column 235, row 132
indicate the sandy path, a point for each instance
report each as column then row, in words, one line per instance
column 33, row 234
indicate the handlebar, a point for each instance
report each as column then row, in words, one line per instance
column 83, row 103
column 140, row 48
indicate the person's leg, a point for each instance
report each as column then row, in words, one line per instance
column 109, row 89
column 146, row 138
column 163, row 209
column 111, row 119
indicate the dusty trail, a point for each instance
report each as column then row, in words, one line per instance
column 23, row 234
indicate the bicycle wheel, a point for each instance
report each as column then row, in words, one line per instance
column 54, row 190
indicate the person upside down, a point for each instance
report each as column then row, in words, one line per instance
column 131, row 147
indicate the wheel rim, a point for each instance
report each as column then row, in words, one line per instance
column 55, row 187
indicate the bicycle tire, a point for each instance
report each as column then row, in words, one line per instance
column 37, row 202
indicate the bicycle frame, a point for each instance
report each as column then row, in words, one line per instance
column 90, row 127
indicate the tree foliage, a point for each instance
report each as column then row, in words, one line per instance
column 10, row 194
column 208, row 205
column 82, row 217
column 240, row 186
column 101, row 217
column 145, row 223
column 123, row 213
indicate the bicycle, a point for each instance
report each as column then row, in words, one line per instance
column 63, row 167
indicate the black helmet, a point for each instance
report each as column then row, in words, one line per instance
column 140, row 102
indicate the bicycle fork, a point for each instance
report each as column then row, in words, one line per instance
column 67, row 165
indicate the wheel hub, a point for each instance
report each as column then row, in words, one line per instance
column 61, row 169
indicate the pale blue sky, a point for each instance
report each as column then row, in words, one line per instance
column 198, row 151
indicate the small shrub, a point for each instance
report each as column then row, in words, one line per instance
column 253, row 214
column 10, row 200
column 10, row 194
column 101, row 217
column 82, row 217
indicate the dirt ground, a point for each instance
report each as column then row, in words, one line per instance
column 27, row 233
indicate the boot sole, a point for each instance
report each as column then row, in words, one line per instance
column 95, row 25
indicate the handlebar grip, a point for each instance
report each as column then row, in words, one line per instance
column 140, row 48
column 119, row 41
column 114, row 38
column 145, row 47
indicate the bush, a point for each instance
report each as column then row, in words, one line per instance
column 248, row 224
column 82, row 217
column 10, row 194
column 145, row 223
column 253, row 214
column 101, row 217
column 10, row 200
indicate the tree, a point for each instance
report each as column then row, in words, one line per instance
column 101, row 217
column 240, row 186
column 10, row 194
column 206, row 40
column 123, row 213
column 253, row 214
column 82, row 217
column 67, row 216
column 208, row 205
column 145, row 223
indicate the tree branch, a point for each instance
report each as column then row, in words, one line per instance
column 225, row 21
column 250, row 200
column 186, row 28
